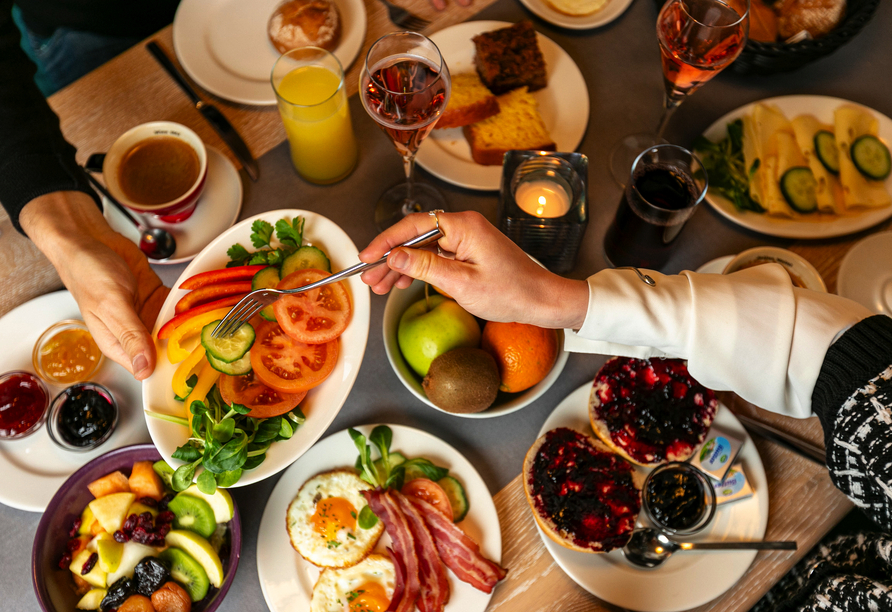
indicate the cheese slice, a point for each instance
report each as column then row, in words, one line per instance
column 768, row 122
column 827, row 185
column 850, row 123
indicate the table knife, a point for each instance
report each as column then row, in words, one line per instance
column 213, row 116
column 782, row 438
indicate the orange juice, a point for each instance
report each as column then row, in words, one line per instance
column 314, row 109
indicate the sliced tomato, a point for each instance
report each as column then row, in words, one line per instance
column 211, row 293
column 263, row 401
column 429, row 491
column 315, row 316
column 224, row 275
column 168, row 328
column 288, row 365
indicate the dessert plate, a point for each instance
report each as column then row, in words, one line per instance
column 287, row 579
column 612, row 10
column 563, row 104
column 816, row 226
column 216, row 211
column 715, row 266
column 686, row 580
column 224, row 46
column 34, row 468
column 322, row 403
column 865, row 274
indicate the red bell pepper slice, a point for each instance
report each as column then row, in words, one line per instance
column 168, row 328
column 210, row 293
column 225, row 275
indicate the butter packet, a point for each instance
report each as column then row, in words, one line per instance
column 735, row 486
column 717, row 453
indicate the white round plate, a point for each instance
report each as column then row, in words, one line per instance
column 215, row 212
column 716, row 266
column 816, row 226
column 397, row 303
column 34, row 468
column 322, row 403
column 686, row 580
column 287, row 579
column 563, row 105
column 224, row 46
column 865, row 274
column 606, row 14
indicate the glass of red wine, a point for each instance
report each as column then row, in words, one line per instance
column 404, row 86
column 660, row 196
column 698, row 39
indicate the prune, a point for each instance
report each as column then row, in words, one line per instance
column 117, row 594
column 150, row 574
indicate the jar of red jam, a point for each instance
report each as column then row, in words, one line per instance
column 82, row 417
column 23, row 403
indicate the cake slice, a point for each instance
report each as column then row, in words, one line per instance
column 517, row 126
column 469, row 102
column 510, row 58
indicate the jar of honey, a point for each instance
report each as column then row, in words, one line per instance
column 66, row 353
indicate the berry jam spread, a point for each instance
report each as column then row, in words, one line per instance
column 86, row 416
column 676, row 498
column 588, row 494
column 654, row 410
column 23, row 401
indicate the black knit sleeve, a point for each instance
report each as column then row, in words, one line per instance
column 35, row 159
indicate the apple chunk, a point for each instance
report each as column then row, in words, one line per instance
column 96, row 576
column 111, row 510
column 431, row 327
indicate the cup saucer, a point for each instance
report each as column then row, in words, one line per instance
column 865, row 274
column 217, row 211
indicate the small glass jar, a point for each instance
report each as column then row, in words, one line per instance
column 66, row 354
column 679, row 499
column 83, row 417
column 23, row 403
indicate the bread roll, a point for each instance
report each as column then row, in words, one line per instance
column 577, row 8
column 305, row 23
column 817, row 17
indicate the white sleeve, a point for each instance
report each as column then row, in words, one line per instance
column 750, row 332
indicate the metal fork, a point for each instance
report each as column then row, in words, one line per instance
column 257, row 300
column 404, row 18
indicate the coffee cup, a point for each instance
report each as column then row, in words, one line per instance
column 157, row 168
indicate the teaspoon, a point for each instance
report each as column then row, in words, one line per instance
column 649, row 548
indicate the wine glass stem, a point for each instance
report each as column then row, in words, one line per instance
column 669, row 106
column 410, row 205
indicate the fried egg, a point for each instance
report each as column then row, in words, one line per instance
column 364, row 587
column 322, row 520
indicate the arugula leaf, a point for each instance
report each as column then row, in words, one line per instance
column 227, row 479
column 261, row 233
column 253, row 462
column 240, row 409
column 182, row 477
column 188, row 452
column 365, row 456
column 367, row 518
column 207, row 483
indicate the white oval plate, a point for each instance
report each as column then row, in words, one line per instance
column 865, row 274
column 34, row 468
column 223, row 45
column 822, row 226
column 606, row 14
column 563, row 104
column 287, row 579
column 685, row 580
column 322, row 403
column 216, row 211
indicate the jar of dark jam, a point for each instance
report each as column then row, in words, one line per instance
column 82, row 417
column 679, row 499
column 23, row 402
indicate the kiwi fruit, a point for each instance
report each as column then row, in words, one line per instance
column 165, row 472
column 187, row 572
column 463, row 381
column 194, row 514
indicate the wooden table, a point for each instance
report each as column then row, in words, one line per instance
column 132, row 89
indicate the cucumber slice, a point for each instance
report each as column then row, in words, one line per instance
column 871, row 157
column 236, row 368
column 305, row 257
column 457, row 497
column 798, row 188
column 228, row 349
column 267, row 278
column 394, row 459
column 827, row 151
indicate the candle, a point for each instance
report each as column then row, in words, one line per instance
column 543, row 198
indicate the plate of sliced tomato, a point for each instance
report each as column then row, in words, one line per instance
column 305, row 352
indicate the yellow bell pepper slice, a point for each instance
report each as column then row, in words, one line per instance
column 206, row 379
column 184, row 371
column 175, row 352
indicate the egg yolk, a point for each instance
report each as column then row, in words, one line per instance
column 370, row 597
column 332, row 515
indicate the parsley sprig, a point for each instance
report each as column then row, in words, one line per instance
column 288, row 233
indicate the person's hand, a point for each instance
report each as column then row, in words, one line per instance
column 118, row 293
column 484, row 271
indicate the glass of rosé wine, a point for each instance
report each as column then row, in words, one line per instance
column 698, row 39
column 404, row 87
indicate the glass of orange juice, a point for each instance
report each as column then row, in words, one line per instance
column 309, row 85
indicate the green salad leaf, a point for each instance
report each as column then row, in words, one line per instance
column 726, row 168
column 288, row 233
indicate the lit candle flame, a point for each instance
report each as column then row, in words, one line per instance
column 542, row 203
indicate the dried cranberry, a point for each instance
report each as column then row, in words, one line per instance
column 75, row 527
column 151, row 502
column 165, row 500
column 146, row 521
column 73, row 545
column 121, row 537
column 140, row 536
column 130, row 523
column 65, row 561
column 163, row 530
column 88, row 565
column 164, row 517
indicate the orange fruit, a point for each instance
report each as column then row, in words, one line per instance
column 524, row 353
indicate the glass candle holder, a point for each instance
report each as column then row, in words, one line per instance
column 543, row 205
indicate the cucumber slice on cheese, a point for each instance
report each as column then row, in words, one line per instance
column 871, row 157
column 827, row 151
column 798, row 188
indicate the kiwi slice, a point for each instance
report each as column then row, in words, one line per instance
column 194, row 514
column 187, row 572
column 165, row 472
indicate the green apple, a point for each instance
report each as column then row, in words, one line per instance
column 131, row 554
column 92, row 599
column 111, row 510
column 199, row 549
column 431, row 327
column 110, row 554
column 96, row 576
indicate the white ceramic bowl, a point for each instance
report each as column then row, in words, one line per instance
column 795, row 265
column 506, row 403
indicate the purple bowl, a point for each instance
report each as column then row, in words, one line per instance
column 52, row 585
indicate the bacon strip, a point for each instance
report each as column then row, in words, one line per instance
column 459, row 552
column 399, row 576
column 398, row 528
column 434, row 584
